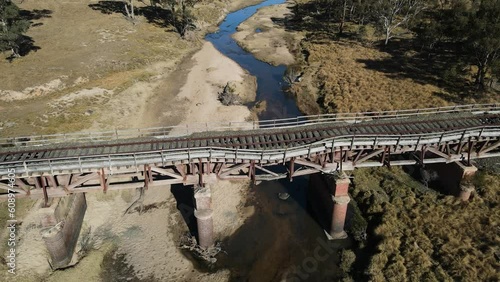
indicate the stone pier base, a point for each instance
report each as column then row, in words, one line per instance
column 465, row 192
column 203, row 213
column 340, row 201
column 205, row 227
column 456, row 178
column 61, row 239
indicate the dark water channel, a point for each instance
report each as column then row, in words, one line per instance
column 269, row 78
column 281, row 241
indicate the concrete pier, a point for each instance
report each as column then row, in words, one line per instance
column 203, row 198
column 456, row 178
column 465, row 191
column 61, row 239
column 205, row 227
column 203, row 213
column 340, row 201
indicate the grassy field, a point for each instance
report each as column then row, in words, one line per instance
column 423, row 235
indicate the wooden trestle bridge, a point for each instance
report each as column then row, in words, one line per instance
column 56, row 165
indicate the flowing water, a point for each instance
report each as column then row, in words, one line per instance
column 281, row 240
column 269, row 78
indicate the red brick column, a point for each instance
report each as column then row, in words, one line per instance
column 466, row 186
column 203, row 213
column 340, row 201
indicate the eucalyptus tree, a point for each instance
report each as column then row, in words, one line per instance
column 12, row 27
column 395, row 13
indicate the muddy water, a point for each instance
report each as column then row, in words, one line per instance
column 281, row 241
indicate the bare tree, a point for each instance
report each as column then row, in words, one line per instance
column 130, row 12
column 393, row 13
column 343, row 15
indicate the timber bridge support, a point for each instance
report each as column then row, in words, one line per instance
column 58, row 165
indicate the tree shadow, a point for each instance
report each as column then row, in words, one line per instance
column 408, row 60
column 154, row 14
column 35, row 14
column 314, row 18
column 25, row 43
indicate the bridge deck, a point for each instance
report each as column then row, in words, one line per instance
column 55, row 165
column 259, row 139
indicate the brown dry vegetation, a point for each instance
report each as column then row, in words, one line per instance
column 414, row 233
column 426, row 236
column 341, row 82
column 355, row 72
column 344, row 76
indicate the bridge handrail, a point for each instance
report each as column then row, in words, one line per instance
column 337, row 139
column 185, row 130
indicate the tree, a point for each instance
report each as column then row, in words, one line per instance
column 338, row 10
column 12, row 28
column 483, row 37
column 130, row 12
column 474, row 28
column 394, row 13
column 182, row 18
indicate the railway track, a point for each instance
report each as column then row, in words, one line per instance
column 259, row 139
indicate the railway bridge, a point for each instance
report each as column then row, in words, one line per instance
column 196, row 154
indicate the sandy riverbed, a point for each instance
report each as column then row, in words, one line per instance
column 264, row 35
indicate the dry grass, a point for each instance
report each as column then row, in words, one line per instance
column 339, row 80
column 85, row 48
column 415, row 234
column 425, row 236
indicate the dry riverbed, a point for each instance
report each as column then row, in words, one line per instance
column 264, row 35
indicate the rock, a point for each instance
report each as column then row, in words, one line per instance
column 283, row 196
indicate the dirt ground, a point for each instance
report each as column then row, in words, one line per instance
column 96, row 71
column 264, row 35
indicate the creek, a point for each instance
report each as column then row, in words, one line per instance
column 280, row 240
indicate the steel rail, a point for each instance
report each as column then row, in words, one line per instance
column 268, row 155
column 184, row 130
column 190, row 139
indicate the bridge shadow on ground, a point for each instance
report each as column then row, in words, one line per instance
column 278, row 238
column 184, row 196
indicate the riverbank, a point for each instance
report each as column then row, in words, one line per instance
column 265, row 36
column 103, row 72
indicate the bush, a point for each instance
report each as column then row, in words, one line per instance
column 367, row 34
column 347, row 258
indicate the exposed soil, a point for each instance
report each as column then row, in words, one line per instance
column 264, row 35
